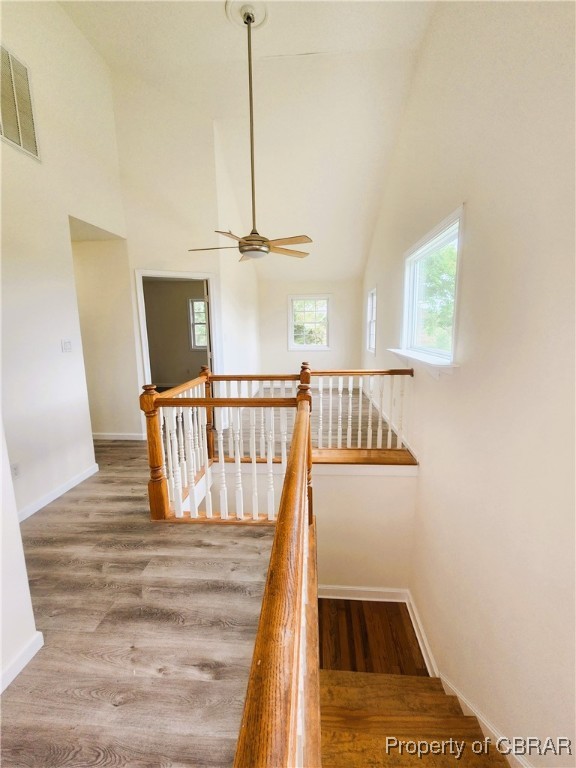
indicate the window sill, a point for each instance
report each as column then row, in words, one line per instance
column 434, row 365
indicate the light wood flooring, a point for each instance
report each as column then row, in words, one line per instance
column 148, row 629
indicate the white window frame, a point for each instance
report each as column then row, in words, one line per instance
column 192, row 323
column 292, row 346
column 371, row 313
column 427, row 244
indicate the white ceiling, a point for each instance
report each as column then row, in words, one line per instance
column 330, row 82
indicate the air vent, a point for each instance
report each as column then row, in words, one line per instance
column 17, row 121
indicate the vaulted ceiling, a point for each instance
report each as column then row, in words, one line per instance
column 330, row 82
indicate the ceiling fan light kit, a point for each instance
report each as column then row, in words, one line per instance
column 254, row 245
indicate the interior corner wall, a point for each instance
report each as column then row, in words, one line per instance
column 20, row 640
column 345, row 323
column 45, row 401
column 490, row 123
column 103, row 288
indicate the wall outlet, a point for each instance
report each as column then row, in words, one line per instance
column 66, row 345
column 15, row 469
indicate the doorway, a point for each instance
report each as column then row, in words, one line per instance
column 177, row 328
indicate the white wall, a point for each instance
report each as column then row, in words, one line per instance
column 490, row 122
column 365, row 521
column 345, row 322
column 20, row 640
column 103, row 288
column 238, row 280
column 45, row 400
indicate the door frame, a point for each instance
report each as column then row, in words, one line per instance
column 213, row 313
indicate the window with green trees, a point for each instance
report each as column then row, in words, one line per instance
column 198, row 323
column 308, row 322
column 430, row 299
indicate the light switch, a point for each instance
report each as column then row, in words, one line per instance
column 66, row 345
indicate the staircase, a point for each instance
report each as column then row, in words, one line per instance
column 365, row 717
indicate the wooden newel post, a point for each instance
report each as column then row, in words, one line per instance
column 304, row 393
column 205, row 371
column 157, row 485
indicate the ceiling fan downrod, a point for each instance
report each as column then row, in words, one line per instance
column 249, row 19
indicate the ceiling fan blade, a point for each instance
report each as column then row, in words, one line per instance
column 227, row 234
column 296, row 240
column 219, row 248
column 286, row 252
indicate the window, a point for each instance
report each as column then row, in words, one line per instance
column 430, row 291
column 17, row 121
column 308, row 322
column 198, row 323
column 371, row 321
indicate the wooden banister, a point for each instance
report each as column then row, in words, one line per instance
column 157, row 486
column 268, row 733
column 365, row 372
column 182, row 387
column 232, row 402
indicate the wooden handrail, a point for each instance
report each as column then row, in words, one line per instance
column 268, row 733
column 230, row 402
column 255, row 377
column 365, row 372
column 182, row 387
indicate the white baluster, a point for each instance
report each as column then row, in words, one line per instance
column 262, row 432
column 399, row 435
column 241, row 385
column 390, row 410
column 254, row 464
column 370, row 406
column 238, row 466
column 360, row 396
column 222, row 466
column 173, row 429
column 381, row 411
column 168, row 450
column 320, row 409
column 198, row 455
column 191, row 464
column 340, row 389
column 283, row 436
column 230, row 417
column 207, row 467
column 181, row 446
column 162, row 444
column 349, row 430
column 269, row 467
column 330, row 412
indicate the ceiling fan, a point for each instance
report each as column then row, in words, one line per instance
column 255, row 245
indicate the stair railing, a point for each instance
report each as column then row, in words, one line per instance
column 222, row 441
column 214, row 456
column 359, row 408
column 281, row 719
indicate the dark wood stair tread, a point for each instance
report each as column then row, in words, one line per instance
column 359, row 710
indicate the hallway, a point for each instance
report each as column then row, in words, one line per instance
column 148, row 630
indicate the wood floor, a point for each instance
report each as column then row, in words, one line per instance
column 148, row 629
column 368, row 636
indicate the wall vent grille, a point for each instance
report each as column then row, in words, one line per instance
column 16, row 118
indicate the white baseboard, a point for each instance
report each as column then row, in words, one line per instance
column 383, row 594
column 488, row 728
column 118, row 436
column 26, row 654
column 386, row 594
column 29, row 509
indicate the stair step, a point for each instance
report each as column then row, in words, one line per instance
column 362, row 711
column 371, row 683
column 405, row 726
column 350, row 749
